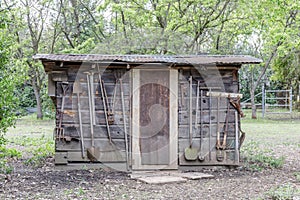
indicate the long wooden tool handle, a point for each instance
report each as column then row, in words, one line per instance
column 104, row 105
column 93, row 97
column 197, row 104
column 90, row 109
column 190, row 111
column 124, row 121
column 80, row 125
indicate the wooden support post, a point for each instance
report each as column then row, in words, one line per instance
column 263, row 101
column 291, row 100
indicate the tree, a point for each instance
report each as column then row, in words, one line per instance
column 276, row 23
column 10, row 76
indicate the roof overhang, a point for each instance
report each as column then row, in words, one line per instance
column 151, row 59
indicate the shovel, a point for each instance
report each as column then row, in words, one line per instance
column 77, row 91
column 92, row 152
column 124, row 121
column 191, row 153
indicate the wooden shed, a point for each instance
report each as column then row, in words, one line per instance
column 146, row 112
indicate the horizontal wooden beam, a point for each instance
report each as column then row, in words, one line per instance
column 224, row 94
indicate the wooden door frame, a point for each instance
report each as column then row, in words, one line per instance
column 173, row 122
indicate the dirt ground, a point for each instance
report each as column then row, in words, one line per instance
column 48, row 183
column 240, row 183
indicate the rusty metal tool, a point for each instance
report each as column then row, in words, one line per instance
column 191, row 153
column 92, row 152
column 77, row 90
column 60, row 133
column 124, row 121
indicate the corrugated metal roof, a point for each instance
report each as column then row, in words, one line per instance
column 178, row 59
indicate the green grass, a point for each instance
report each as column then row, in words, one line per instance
column 284, row 192
column 264, row 136
column 257, row 159
column 31, row 140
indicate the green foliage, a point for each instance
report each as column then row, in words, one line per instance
column 257, row 159
column 10, row 75
column 297, row 176
column 284, row 192
column 9, row 153
column 5, row 155
column 26, row 96
column 39, row 148
column 5, row 168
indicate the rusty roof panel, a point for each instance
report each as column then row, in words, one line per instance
column 192, row 59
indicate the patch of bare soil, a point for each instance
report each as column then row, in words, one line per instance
column 48, row 183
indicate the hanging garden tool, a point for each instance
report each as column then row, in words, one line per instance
column 93, row 153
column 224, row 144
column 201, row 156
column 109, row 113
column 124, row 122
column 104, row 106
column 236, row 104
column 191, row 153
column 219, row 152
column 77, row 90
column 60, row 134
column 197, row 104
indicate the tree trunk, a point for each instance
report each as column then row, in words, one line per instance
column 37, row 93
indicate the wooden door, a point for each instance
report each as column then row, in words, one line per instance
column 154, row 119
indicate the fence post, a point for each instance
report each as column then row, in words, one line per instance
column 291, row 100
column 263, row 100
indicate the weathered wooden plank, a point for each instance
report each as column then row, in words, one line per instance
column 102, row 143
column 224, row 94
column 109, row 156
column 108, row 76
column 61, row 157
column 71, row 103
column 205, row 104
column 184, row 120
column 109, row 89
column 184, row 130
column 116, row 131
column 71, row 117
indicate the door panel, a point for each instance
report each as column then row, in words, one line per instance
column 154, row 117
column 154, row 141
